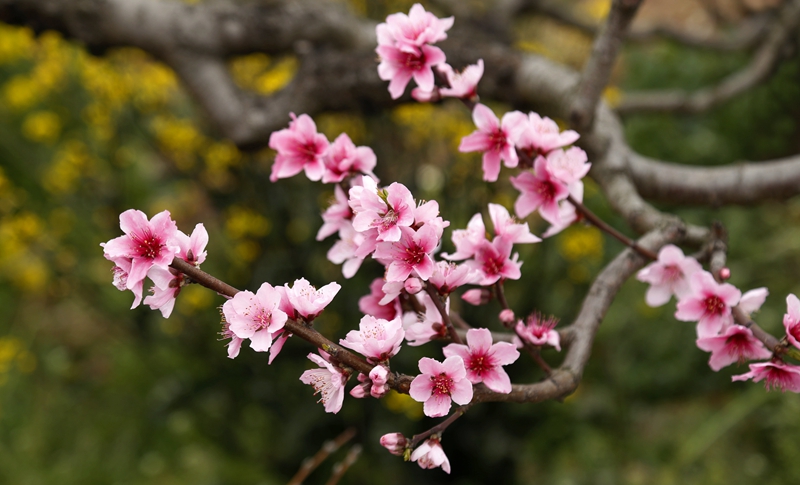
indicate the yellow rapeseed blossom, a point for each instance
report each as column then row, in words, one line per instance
column 277, row 77
column 71, row 161
column 21, row 92
column 42, row 127
column 581, row 242
column 16, row 43
column 243, row 222
column 425, row 123
column 257, row 72
column 403, row 404
column 179, row 139
column 221, row 155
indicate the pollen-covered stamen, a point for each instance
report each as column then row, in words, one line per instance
column 546, row 189
column 480, row 364
column 413, row 62
column 714, row 305
column 442, row 384
column 739, row 345
column 498, row 140
column 148, row 246
column 414, row 254
column 260, row 320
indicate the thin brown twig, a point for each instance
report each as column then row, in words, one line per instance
column 439, row 428
column 340, row 468
column 437, row 301
column 328, row 448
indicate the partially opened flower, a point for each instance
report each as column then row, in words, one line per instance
column 484, row 360
column 777, row 374
column 735, row 344
column 309, row 301
column 539, row 190
column 541, row 135
column 343, row 158
column 791, row 320
column 394, row 442
column 493, row 261
column 410, row 255
column 430, row 454
column 377, row 339
column 505, row 225
column 328, row 381
column 668, row 276
column 539, row 330
column 439, row 384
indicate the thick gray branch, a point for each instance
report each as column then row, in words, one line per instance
column 758, row 70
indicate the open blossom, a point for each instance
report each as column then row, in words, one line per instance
column 168, row 282
column 668, row 276
column 506, row 226
column 495, row 139
column 417, row 28
column 300, row 148
column 467, row 240
column 343, row 157
column 708, row 303
column 439, row 384
column 567, row 214
column 328, row 381
column 376, row 339
column 255, row 316
column 493, row 261
column 777, row 374
column 541, row 136
column 463, row 84
column 344, row 250
column 411, row 254
column 386, row 210
column 484, row 360
column 370, row 304
column 540, row 191
column 308, row 301
column 791, row 320
column 447, row 276
column 538, row 331
column 735, row 344
column 400, row 66
column 145, row 245
column 568, row 166
column 235, row 343
column 430, row 454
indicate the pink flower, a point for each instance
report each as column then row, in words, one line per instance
column 752, row 300
column 568, row 166
column 399, row 66
column 370, row 304
column 493, row 261
column 567, row 214
column 495, row 138
column 146, row 244
column 255, row 316
column 463, row 84
column 379, row 375
column 778, row 375
column 343, row 158
column 235, row 343
column 540, row 190
column 344, row 250
column 467, row 240
column 708, row 303
column 735, row 344
column 337, row 215
column 439, row 383
column 299, row 148
column 541, row 135
column 412, row 253
column 507, row 226
column 668, row 276
column 483, row 360
column 328, row 381
column 477, row 296
column 447, row 277
column 417, row 28
column 386, row 210
column 430, row 454
column 394, row 442
column 168, row 282
column 377, row 339
column 422, row 328
column 309, row 301
column 791, row 320
column 539, row 331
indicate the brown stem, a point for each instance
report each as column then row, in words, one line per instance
column 600, row 224
column 500, row 294
column 439, row 427
column 437, row 301
column 329, row 447
column 340, row 468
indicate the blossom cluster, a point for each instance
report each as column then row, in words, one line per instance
column 146, row 251
column 710, row 303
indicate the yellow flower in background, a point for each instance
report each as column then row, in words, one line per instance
column 42, row 127
column 16, row 43
column 70, row 162
column 257, row 72
column 581, row 242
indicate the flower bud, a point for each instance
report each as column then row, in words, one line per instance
column 724, row 273
column 507, row 316
column 413, row 286
column 477, row 296
column 394, row 442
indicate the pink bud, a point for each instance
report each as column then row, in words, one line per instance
column 394, row 442
column 360, row 391
column 477, row 296
column 724, row 273
column 507, row 316
column 413, row 286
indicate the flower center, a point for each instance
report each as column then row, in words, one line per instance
column 414, row 255
column 714, row 305
column 414, row 62
column 149, row 246
column 498, row 140
column 480, row 364
column 442, row 384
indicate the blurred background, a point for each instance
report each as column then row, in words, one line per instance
column 93, row 393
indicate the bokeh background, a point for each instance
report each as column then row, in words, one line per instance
column 93, row 393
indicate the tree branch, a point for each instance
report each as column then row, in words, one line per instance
column 760, row 68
